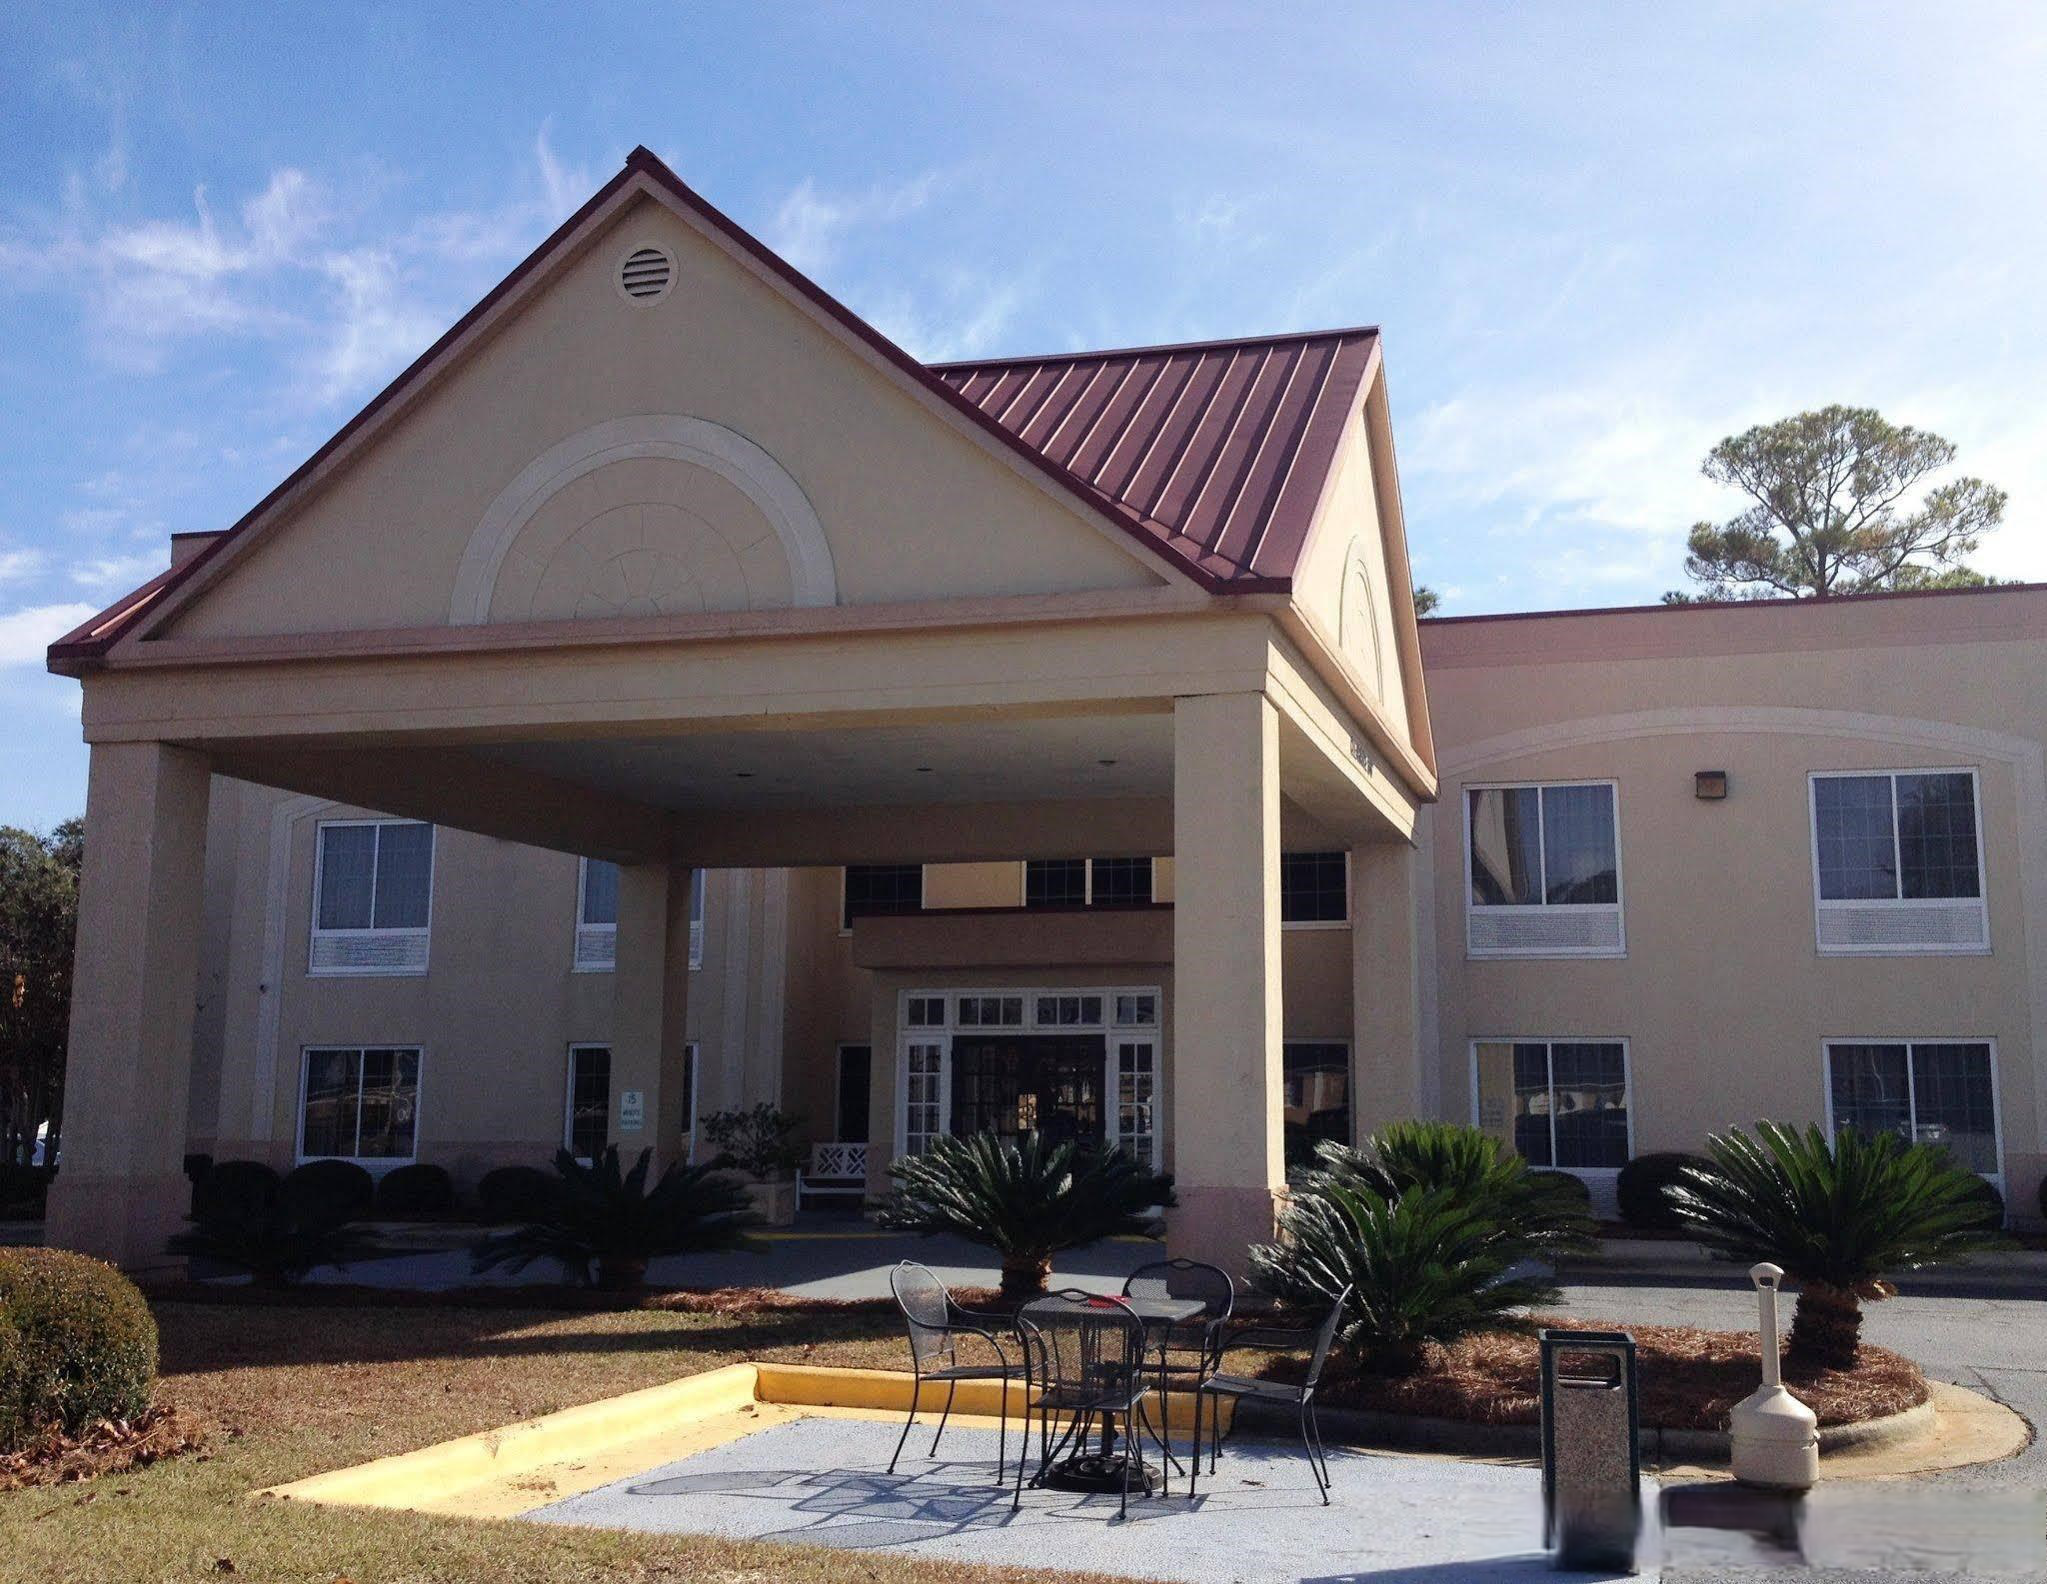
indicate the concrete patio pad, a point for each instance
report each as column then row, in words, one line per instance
column 824, row 1481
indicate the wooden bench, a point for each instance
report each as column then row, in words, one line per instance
column 835, row 1171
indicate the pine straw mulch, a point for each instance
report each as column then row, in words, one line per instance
column 1687, row 1378
column 107, row 1446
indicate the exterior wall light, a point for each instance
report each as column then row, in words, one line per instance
column 1709, row 786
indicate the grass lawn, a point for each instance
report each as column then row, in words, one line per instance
column 282, row 1392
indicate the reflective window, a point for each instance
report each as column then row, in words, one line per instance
column 1316, row 1101
column 1931, row 1092
column 1557, row 1103
column 1892, row 837
column 359, row 1103
column 1543, row 846
column 374, row 875
column 877, row 890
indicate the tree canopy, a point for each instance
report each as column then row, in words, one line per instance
column 1831, row 514
column 38, row 918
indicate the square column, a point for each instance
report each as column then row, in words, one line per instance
column 1229, row 1157
column 122, row 1190
column 1385, row 880
column 650, row 1001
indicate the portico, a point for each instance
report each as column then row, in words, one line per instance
column 768, row 594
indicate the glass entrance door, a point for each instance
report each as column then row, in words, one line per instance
column 1010, row 1084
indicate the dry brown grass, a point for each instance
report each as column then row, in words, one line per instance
column 282, row 1392
column 1688, row 1380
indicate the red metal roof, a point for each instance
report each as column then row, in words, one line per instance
column 1219, row 449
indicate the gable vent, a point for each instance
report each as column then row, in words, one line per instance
column 646, row 274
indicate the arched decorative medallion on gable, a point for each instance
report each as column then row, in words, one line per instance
column 654, row 515
column 1358, row 618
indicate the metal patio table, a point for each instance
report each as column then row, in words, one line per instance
column 1102, row 1468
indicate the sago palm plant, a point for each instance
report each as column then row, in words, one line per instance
column 1423, row 1265
column 275, row 1244
column 1839, row 1215
column 600, row 1215
column 1027, row 1201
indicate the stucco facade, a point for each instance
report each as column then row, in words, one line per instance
column 663, row 560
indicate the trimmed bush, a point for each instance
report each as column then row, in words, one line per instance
column 77, row 1344
column 230, row 1187
column 1566, row 1186
column 1644, row 1189
column 515, row 1193
column 334, row 1188
column 1993, row 1204
column 415, row 1190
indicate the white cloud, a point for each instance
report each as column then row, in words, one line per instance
column 116, row 574
column 18, row 566
column 380, row 328
column 964, row 317
column 26, row 633
column 809, row 225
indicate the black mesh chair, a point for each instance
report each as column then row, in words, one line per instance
column 1298, row 1395
column 1084, row 1361
column 936, row 1324
column 1189, row 1351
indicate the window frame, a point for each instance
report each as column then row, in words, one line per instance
column 375, row 1165
column 576, row 1048
column 1473, row 910
column 698, row 905
column 923, row 878
column 1317, row 924
column 315, row 932
column 1350, row 1076
column 1023, row 884
column 1910, row 1041
column 1900, row 903
column 1549, row 1042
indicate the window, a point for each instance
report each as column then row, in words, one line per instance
column 1931, row 1092
column 1087, row 882
column 1543, row 864
column 1316, row 1101
column 359, row 1103
column 1314, row 888
column 372, row 897
column 1897, row 866
column 1557, row 1103
column 588, row 1126
column 690, row 1066
column 923, row 1107
column 597, row 917
column 1136, row 1091
column 878, row 890
column 1068, row 1011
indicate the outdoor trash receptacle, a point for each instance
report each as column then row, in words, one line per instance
column 1591, row 1455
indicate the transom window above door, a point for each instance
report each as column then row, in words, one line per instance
column 1543, row 867
column 1898, row 862
column 1087, row 882
column 372, row 897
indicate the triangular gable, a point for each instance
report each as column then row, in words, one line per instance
column 157, row 605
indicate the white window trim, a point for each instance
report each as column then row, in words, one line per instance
column 923, row 885
column 1321, row 924
column 941, row 1035
column 422, row 933
column 698, row 903
column 1901, row 904
column 1996, row 1178
column 569, row 1097
column 375, row 1165
column 1617, row 909
column 1023, row 882
column 1589, row 1173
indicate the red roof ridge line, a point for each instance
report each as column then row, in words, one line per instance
column 1220, row 344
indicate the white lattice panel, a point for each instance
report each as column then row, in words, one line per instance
column 1541, row 931
column 828, row 1161
column 369, row 952
column 1961, row 925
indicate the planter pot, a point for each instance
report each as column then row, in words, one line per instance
column 774, row 1201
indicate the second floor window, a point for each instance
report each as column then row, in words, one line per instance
column 1544, row 867
column 597, row 917
column 1087, row 882
column 1314, row 888
column 1897, row 863
column 372, row 897
column 877, row 890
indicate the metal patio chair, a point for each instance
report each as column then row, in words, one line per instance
column 1298, row 1395
column 1084, row 1360
column 1191, row 1351
column 935, row 1324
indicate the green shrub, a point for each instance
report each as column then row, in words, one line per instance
column 1839, row 1215
column 273, row 1244
column 232, row 1186
column 1643, row 1189
column 340, row 1189
column 1026, row 1201
column 515, row 1193
column 760, row 1141
column 1992, row 1202
column 415, row 1190
column 1567, row 1186
column 602, row 1216
column 77, row 1344
column 1539, row 1212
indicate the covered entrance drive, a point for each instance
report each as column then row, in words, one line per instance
column 745, row 586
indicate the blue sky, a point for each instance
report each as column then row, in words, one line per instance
column 1597, row 237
